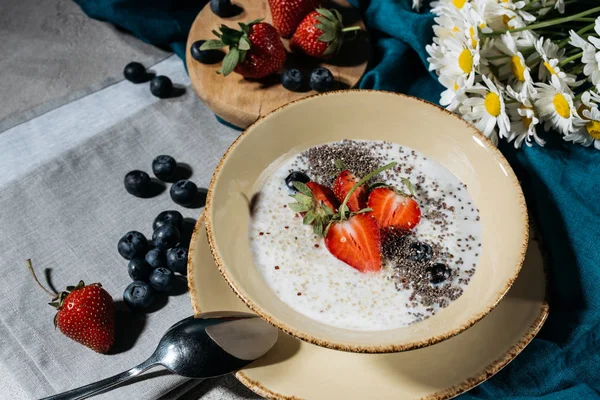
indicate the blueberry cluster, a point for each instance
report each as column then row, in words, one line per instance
column 154, row 264
column 165, row 168
column 160, row 86
column 320, row 79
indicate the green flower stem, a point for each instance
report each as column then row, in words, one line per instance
column 548, row 23
column 580, row 32
column 569, row 59
column 360, row 183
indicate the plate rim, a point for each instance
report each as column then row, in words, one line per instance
column 447, row 393
column 375, row 349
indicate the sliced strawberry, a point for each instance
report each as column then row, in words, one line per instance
column 392, row 209
column 341, row 187
column 323, row 194
column 357, row 242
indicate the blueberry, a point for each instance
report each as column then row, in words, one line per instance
column 164, row 167
column 135, row 72
column 420, row 251
column 132, row 245
column 138, row 183
column 223, row 8
column 321, row 79
column 184, row 192
column 177, row 260
column 205, row 56
column 161, row 86
column 139, row 269
column 165, row 236
column 156, row 258
column 292, row 79
column 296, row 176
column 170, row 217
column 138, row 295
column 162, row 279
column 438, row 273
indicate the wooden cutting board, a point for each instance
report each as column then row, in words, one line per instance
column 241, row 101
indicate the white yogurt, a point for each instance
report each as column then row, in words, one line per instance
column 303, row 274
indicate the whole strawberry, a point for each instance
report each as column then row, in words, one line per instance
column 287, row 14
column 320, row 34
column 86, row 314
column 255, row 51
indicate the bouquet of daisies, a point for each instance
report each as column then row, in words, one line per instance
column 513, row 67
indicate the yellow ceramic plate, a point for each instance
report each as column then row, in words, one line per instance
column 298, row 370
column 369, row 115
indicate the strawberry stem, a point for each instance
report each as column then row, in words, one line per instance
column 351, row 29
column 30, row 266
column 360, row 183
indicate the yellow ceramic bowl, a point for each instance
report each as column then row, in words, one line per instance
column 369, row 115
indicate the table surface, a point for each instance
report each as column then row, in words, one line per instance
column 57, row 66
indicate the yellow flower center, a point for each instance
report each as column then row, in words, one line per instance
column 593, row 128
column 482, row 25
column 455, row 29
column 456, row 87
column 549, row 68
column 518, row 69
column 459, row 3
column 465, row 61
column 505, row 20
column 472, row 34
column 492, row 104
column 561, row 105
column 526, row 121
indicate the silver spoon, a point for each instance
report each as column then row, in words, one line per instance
column 209, row 345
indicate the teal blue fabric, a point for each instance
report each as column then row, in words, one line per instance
column 561, row 183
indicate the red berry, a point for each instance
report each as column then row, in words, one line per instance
column 86, row 314
column 287, row 14
column 394, row 210
column 357, row 242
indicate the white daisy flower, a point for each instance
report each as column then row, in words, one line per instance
column 550, row 55
column 416, row 5
column 587, row 126
column 454, row 59
column 513, row 67
column 555, row 107
column 523, row 119
column 591, row 54
column 486, row 110
column 505, row 14
column 454, row 95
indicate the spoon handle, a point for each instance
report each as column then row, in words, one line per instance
column 96, row 387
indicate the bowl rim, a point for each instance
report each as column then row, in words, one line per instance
column 375, row 349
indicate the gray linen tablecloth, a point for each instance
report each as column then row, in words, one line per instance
column 63, row 204
column 70, row 128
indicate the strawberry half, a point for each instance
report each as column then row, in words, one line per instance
column 392, row 209
column 320, row 34
column 254, row 52
column 287, row 14
column 341, row 187
column 356, row 241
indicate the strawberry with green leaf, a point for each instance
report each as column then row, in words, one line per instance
column 85, row 313
column 316, row 202
column 350, row 236
column 255, row 51
column 321, row 33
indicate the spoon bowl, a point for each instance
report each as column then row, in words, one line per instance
column 207, row 345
